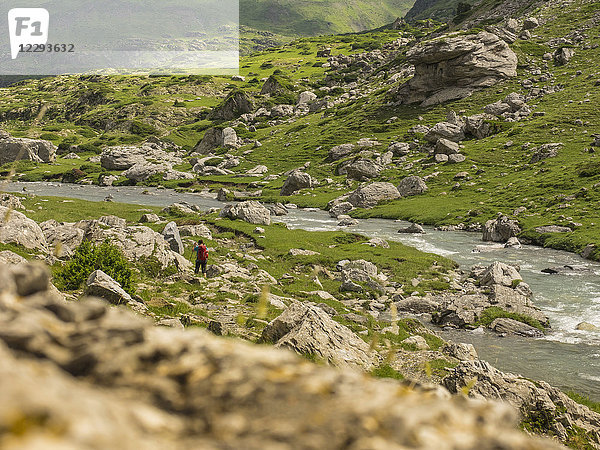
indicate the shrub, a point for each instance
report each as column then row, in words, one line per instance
column 88, row 258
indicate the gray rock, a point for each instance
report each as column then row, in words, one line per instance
column 460, row 351
column 11, row 201
column 511, row 326
column 249, row 211
column 545, row 151
column 39, row 151
column 307, row 97
column 149, row 218
column 307, row 329
column 113, row 221
column 30, row 278
column 417, row 342
column 513, row 242
column 563, row 55
column 446, row 147
column 369, row 195
column 342, row 208
column 216, row 138
column 340, row 151
column 124, row 157
column 455, row 159
column 236, row 104
column 586, row 326
column 363, row 169
column 378, row 242
column 143, row 170
column 499, row 273
column 532, row 399
column 17, row 228
column 198, row 230
column 413, row 228
column 101, row 285
column 295, row 181
column 440, row 158
column 346, row 221
column 530, row 23
column 449, row 68
column 172, row 237
column 445, row 130
column 553, row 229
column 500, row 229
column 412, row 185
column 478, row 126
column 417, row 305
column 113, row 380
column 277, row 209
column 400, row 148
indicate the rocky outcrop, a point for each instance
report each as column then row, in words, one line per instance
column 99, row 284
column 500, row 229
column 150, row 152
column 236, row 104
column 63, row 238
column 17, row 228
column 14, row 149
column 501, row 287
column 88, row 375
column 453, row 67
column 308, row 330
column 538, row 402
column 340, row 151
column 510, row 326
column 370, row 194
column 249, row 211
column 295, row 181
column 135, row 242
column 216, row 138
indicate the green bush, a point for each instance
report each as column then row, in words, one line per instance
column 88, row 258
column 493, row 313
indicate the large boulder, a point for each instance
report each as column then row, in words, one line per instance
column 412, row 185
column 363, row 169
column 171, row 235
column 308, row 330
column 17, row 228
column 295, row 181
column 90, row 375
column 370, row 194
column 500, row 229
column 453, row 67
column 62, row 237
column 215, row 138
column 445, row 130
column 537, row 401
column 39, row 151
column 101, row 285
column 144, row 170
column 249, row 211
column 504, row 325
column 340, row 151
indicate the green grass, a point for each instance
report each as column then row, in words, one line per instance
column 493, row 313
column 583, row 400
column 386, row 371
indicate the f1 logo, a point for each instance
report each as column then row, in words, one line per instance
column 27, row 26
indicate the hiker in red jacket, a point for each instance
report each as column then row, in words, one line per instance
column 201, row 257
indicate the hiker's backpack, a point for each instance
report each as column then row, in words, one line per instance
column 203, row 253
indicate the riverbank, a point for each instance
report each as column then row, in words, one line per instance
column 565, row 304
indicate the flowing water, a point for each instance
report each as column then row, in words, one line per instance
column 566, row 357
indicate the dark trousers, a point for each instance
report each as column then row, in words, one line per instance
column 200, row 263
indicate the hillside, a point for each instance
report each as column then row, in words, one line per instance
column 311, row 18
column 492, row 129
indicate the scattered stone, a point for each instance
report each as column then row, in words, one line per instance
column 413, row 228
column 562, row 56
column 173, row 238
column 417, row 342
column 99, row 284
column 412, row 185
column 367, row 196
column 249, row 211
column 512, row 242
column 301, row 252
column 500, row 229
column 460, row 351
column 149, row 218
column 216, row 138
column 553, row 229
column 586, row 326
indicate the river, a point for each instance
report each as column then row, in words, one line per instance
column 565, row 357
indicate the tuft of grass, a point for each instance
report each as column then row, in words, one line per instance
column 493, row 313
column 387, row 371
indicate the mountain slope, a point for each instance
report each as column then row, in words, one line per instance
column 314, row 17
